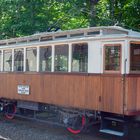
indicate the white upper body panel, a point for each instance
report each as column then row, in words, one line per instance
column 96, row 37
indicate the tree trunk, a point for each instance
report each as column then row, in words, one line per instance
column 112, row 10
column 93, row 12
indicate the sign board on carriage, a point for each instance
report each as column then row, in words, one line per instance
column 23, row 89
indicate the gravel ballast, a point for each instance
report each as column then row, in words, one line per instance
column 20, row 129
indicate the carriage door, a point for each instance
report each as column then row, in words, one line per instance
column 111, row 79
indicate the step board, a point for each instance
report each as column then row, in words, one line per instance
column 114, row 119
column 108, row 131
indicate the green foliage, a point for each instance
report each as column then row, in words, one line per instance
column 25, row 17
column 132, row 14
column 121, row 12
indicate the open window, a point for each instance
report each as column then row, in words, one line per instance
column 112, row 58
column 7, row 60
column 61, row 58
column 18, row 59
column 31, row 59
column 80, row 57
column 45, row 58
column 135, row 57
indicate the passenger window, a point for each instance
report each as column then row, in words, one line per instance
column 0, row 59
column 80, row 57
column 61, row 58
column 18, row 59
column 31, row 59
column 112, row 57
column 135, row 57
column 7, row 59
column 45, row 58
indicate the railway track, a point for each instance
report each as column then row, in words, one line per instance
column 25, row 129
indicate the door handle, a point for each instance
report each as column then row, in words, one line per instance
column 100, row 99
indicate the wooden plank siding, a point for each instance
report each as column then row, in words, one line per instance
column 85, row 91
column 112, row 94
column 133, row 94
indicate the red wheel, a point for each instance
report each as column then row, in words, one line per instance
column 10, row 110
column 77, row 131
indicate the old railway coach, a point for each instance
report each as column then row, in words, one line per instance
column 84, row 75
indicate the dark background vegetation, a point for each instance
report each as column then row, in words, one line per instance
column 25, row 17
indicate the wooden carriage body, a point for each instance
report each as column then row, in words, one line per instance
column 103, row 83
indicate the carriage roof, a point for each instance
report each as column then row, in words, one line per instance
column 94, row 32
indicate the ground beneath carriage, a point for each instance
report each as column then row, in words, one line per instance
column 20, row 129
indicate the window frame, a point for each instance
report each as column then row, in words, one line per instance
column 55, row 46
column 51, row 58
column 25, row 59
column 131, row 71
column 1, row 65
column 38, row 47
column 14, row 60
column 74, row 43
column 120, row 62
column 7, row 49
